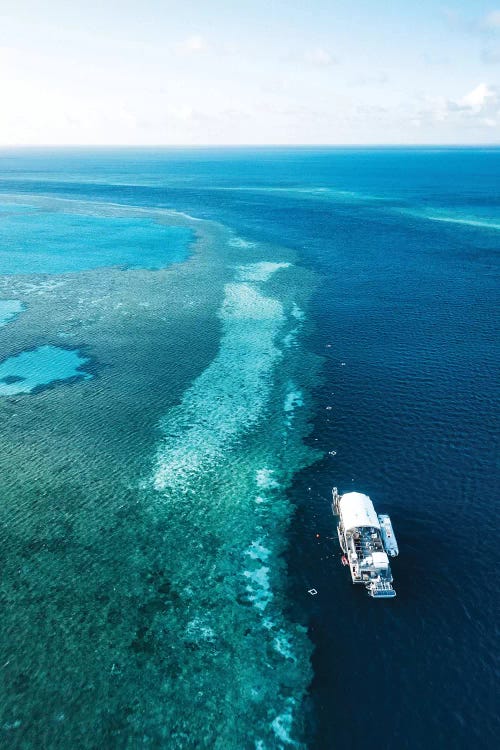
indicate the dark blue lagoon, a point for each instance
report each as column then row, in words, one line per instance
column 334, row 324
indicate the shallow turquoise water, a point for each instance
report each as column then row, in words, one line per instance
column 147, row 506
column 33, row 240
column 29, row 370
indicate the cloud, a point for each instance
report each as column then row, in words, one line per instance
column 478, row 99
column 491, row 21
column 193, row 44
column 320, row 57
column 372, row 79
column 480, row 106
column 183, row 112
column 486, row 26
column 490, row 56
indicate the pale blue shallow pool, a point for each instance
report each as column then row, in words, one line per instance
column 33, row 240
column 40, row 367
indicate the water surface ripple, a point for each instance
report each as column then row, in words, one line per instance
column 162, row 521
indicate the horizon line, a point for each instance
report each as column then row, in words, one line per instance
column 245, row 145
column 235, row 146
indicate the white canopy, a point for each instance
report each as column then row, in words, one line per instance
column 357, row 510
column 380, row 560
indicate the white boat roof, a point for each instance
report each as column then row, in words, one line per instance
column 357, row 510
column 380, row 559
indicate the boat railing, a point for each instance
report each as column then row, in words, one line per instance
column 381, row 590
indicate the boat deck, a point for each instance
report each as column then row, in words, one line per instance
column 366, row 541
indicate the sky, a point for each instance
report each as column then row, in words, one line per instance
column 198, row 72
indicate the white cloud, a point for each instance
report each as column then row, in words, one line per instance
column 183, row 112
column 193, row 44
column 320, row 57
column 490, row 56
column 480, row 107
column 492, row 20
column 478, row 99
column 372, row 79
column 483, row 26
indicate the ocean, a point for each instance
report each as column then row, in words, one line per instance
column 196, row 345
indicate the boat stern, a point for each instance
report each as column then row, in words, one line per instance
column 380, row 590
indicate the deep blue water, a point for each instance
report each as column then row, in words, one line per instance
column 404, row 244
